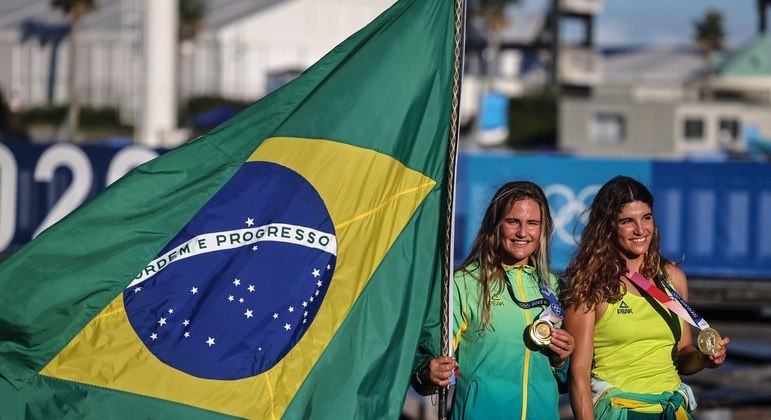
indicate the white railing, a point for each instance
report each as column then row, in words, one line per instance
column 580, row 66
column 591, row 7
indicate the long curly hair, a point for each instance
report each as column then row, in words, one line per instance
column 594, row 273
column 486, row 249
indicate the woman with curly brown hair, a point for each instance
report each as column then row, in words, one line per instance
column 630, row 345
column 499, row 292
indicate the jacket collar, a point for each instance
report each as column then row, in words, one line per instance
column 530, row 264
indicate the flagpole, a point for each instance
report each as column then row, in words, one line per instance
column 452, row 166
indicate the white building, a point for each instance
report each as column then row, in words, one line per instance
column 649, row 104
column 245, row 48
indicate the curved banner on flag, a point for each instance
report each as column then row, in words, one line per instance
column 236, row 310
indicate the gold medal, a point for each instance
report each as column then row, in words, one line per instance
column 708, row 341
column 540, row 332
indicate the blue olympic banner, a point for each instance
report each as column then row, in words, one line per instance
column 715, row 218
column 40, row 184
column 569, row 183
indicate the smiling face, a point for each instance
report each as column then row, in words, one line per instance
column 634, row 230
column 520, row 232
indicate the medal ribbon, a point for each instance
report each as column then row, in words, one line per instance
column 683, row 310
column 553, row 311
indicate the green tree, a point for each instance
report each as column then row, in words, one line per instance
column 191, row 17
column 74, row 10
column 492, row 12
column 493, row 16
column 709, row 37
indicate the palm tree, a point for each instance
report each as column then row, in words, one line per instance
column 191, row 15
column 709, row 37
column 492, row 14
column 494, row 20
column 75, row 10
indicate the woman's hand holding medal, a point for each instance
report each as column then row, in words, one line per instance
column 562, row 345
column 717, row 358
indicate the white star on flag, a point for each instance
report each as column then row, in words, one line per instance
column 275, row 316
column 305, row 313
column 237, row 282
column 254, row 248
column 317, row 293
column 329, row 267
column 291, row 309
column 137, row 290
column 210, row 341
column 311, row 299
column 250, row 288
column 248, row 313
column 305, row 304
column 186, row 322
column 230, row 298
column 194, row 290
column 240, row 300
column 187, row 334
column 287, row 327
column 162, row 321
column 171, row 311
column 153, row 336
column 316, row 272
column 318, row 283
column 249, row 222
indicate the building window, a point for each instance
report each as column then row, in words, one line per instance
column 694, row 129
column 279, row 78
column 728, row 130
column 609, row 128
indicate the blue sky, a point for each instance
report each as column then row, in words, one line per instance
column 649, row 22
column 670, row 22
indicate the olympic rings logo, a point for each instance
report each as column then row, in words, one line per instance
column 567, row 206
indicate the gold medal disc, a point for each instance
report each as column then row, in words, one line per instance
column 540, row 332
column 708, row 341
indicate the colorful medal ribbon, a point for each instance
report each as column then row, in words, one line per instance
column 683, row 310
column 553, row 312
column 530, row 304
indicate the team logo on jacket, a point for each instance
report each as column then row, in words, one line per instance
column 238, row 287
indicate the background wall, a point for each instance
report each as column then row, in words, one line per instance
column 715, row 217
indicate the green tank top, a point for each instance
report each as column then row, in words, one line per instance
column 635, row 346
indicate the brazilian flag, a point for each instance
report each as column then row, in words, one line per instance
column 279, row 266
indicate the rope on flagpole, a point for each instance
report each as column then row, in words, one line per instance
column 452, row 159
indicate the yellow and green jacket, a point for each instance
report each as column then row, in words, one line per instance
column 501, row 375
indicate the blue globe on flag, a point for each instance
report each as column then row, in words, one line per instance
column 238, row 287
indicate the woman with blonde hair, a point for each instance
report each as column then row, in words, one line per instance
column 508, row 368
